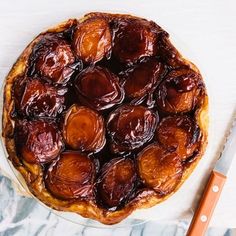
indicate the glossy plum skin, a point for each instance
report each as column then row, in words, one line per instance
column 52, row 57
column 180, row 91
column 83, row 129
column 71, row 176
column 129, row 127
column 142, row 79
column 179, row 134
column 133, row 40
column 40, row 99
column 38, row 141
column 98, row 88
column 92, row 40
column 159, row 169
column 116, row 182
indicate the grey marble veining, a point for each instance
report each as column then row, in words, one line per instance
column 22, row 216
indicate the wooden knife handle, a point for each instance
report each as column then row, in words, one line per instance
column 207, row 205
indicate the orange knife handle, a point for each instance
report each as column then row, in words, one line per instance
column 207, row 205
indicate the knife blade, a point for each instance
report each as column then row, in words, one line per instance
column 229, row 151
column 214, row 186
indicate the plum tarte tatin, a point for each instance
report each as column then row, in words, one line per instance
column 103, row 116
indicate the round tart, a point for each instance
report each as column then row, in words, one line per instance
column 103, row 116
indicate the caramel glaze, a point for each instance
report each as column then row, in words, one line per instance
column 102, row 105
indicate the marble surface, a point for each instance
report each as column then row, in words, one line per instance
column 22, row 216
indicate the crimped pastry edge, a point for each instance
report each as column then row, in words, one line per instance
column 33, row 174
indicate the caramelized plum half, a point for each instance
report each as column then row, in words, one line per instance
column 180, row 134
column 159, row 169
column 117, row 182
column 52, row 57
column 39, row 99
column 71, row 176
column 37, row 141
column 98, row 88
column 92, row 40
column 134, row 39
column 130, row 127
column 83, row 129
column 142, row 79
column 180, row 91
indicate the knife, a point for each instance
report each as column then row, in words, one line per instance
column 214, row 187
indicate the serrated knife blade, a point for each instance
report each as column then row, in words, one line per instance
column 214, row 186
column 229, row 152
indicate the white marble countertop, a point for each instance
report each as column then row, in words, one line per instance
column 204, row 31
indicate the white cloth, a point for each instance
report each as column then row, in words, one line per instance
column 203, row 31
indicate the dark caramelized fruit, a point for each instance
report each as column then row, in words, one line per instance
column 40, row 99
column 129, row 127
column 180, row 91
column 38, row 141
column 99, row 88
column 83, row 104
column 71, row 176
column 142, row 79
column 52, row 57
column 133, row 40
column 116, row 182
column 83, row 129
column 159, row 169
column 92, row 40
column 179, row 134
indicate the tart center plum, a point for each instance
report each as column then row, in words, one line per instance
column 52, row 56
column 142, row 79
column 71, row 176
column 99, row 88
column 83, row 129
column 130, row 127
column 38, row 141
column 117, row 181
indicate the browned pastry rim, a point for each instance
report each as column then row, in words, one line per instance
column 33, row 174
